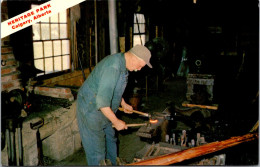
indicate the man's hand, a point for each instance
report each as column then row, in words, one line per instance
column 119, row 125
column 127, row 108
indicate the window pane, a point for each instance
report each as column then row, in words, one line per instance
column 143, row 38
column 45, row 31
column 47, row 49
column 137, row 39
column 66, row 62
column 141, row 28
column 57, row 47
column 57, row 63
column 140, row 18
column 45, row 20
column 48, row 65
column 36, row 31
column 65, row 47
column 54, row 31
column 37, row 50
column 39, row 64
column 63, row 31
column 54, row 18
column 52, row 53
column 63, row 16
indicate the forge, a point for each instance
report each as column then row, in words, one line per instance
column 56, row 136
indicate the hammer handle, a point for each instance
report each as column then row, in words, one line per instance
column 134, row 125
column 137, row 112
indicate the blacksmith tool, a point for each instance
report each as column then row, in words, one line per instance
column 36, row 126
column 134, row 125
column 147, row 124
column 10, row 136
column 20, row 142
column 152, row 119
column 137, row 112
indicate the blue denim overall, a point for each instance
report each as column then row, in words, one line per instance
column 97, row 134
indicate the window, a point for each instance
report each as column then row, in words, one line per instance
column 51, row 45
column 139, row 29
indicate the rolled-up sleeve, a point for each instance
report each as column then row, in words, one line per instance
column 107, row 84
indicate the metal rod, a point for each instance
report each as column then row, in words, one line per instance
column 12, row 141
column 7, row 133
column 20, row 146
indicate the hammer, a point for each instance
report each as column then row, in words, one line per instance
column 134, row 125
column 152, row 119
column 137, row 112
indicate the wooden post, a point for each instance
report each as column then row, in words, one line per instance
column 131, row 36
column 156, row 32
column 90, row 49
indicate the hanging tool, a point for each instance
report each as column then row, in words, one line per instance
column 20, row 142
column 10, row 136
column 36, row 126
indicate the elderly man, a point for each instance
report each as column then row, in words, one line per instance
column 99, row 99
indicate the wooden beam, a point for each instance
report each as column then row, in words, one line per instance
column 200, row 106
column 197, row 151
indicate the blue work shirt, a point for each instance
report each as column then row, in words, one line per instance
column 105, row 85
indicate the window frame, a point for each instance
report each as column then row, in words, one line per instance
column 139, row 33
column 54, row 72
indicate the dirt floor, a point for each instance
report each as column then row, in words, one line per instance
column 172, row 93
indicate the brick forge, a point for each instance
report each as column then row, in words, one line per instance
column 56, row 92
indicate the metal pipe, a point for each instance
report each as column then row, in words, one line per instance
column 113, row 26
